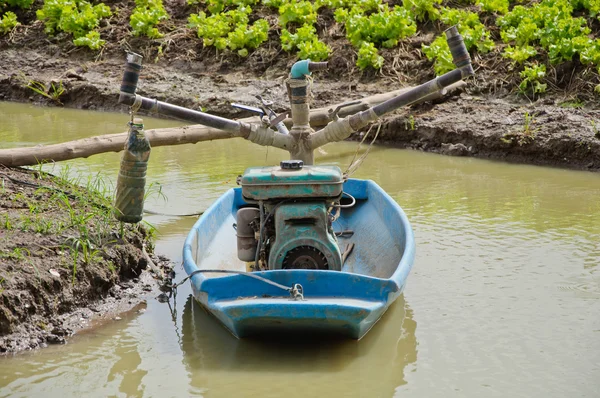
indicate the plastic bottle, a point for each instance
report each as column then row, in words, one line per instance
column 129, row 201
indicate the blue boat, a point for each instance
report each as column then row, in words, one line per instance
column 346, row 302
column 316, row 250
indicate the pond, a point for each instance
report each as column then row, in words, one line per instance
column 503, row 299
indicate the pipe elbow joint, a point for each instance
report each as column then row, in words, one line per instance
column 267, row 137
column 467, row 71
column 300, row 69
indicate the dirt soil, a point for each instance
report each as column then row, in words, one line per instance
column 63, row 264
column 488, row 119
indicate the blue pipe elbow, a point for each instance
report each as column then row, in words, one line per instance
column 300, row 69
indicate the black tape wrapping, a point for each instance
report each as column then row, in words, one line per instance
column 130, row 78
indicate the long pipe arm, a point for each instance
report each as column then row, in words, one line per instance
column 137, row 101
column 341, row 129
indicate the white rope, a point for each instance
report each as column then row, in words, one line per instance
column 355, row 164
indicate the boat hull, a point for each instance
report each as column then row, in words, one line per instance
column 346, row 303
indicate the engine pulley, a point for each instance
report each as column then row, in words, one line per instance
column 305, row 257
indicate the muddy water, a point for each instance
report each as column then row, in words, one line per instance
column 504, row 298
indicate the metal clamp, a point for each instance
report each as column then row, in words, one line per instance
column 333, row 113
column 275, row 121
column 297, row 292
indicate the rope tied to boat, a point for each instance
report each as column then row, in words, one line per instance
column 296, row 290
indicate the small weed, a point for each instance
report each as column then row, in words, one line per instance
column 576, row 104
column 33, row 209
column 53, row 93
column 155, row 189
column 75, row 257
column 150, row 230
column 409, row 123
column 18, row 197
column 65, row 173
column 43, row 226
column 97, row 184
column 1, row 288
column 25, row 223
column 89, row 253
column 524, row 136
column 39, row 172
column 529, row 121
column 7, row 225
column 17, row 254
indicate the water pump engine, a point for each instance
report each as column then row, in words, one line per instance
column 292, row 227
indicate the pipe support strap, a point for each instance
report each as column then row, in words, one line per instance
column 361, row 119
column 334, row 131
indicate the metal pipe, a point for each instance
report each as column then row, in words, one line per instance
column 339, row 130
column 425, row 89
column 181, row 113
column 129, row 97
column 461, row 59
column 315, row 66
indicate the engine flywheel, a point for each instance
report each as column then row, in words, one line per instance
column 305, row 257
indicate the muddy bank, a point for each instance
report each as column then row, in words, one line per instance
column 547, row 131
column 466, row 125
column 64, row 264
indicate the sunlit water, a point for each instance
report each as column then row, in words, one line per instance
column 503, row 300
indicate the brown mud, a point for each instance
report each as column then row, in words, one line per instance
column 487, row 120
column 64, row 265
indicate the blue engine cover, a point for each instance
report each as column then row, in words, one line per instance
column 302, row 234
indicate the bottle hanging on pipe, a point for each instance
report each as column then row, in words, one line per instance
column 129, row 200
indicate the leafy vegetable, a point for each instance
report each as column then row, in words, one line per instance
column 76, row 17
column 91, row 40
column 301, row 12
column 423, row 10
column 368, row 56
column 8, row 22
column 532, row 76
column 230, row 30
column 519, row 54
column 306, row 41
column 18, row 3
column 500, row 6
column 146, row 16
column 385, row 27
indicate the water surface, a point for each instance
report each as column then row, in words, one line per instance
column 503, row 300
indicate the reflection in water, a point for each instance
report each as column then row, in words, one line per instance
column 126, row 369
column 373, row 366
